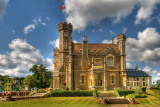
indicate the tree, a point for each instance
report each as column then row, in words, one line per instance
column 30, row 82
column 158, row 83
column 43, row 77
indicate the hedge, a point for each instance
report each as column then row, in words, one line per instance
column 72, row 93
column 143, row 89
column 120, row 93
column 137, row 95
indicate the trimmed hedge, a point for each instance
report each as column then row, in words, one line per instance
column 137, row 95
column 143, row 89
column 72, row 93
column 120, row 93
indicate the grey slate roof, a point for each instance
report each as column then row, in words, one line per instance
column 136, row 73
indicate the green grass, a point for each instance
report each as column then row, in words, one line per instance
column 55, row 102
column 150, row 101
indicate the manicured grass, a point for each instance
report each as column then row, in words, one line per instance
column 55, row 102
column 150, row 101
column 153, row 92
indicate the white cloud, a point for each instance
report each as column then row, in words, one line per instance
column 100, row 30
column 145, row 48
column 55, row 43
column 22, row 57
column 93, row 30
column 75, row 41
column 48, row 18
column 146, row 10
column 83, row 13
column 36, row 22
column 124, row 30
column 111, row 32
column 147, row 69
column 29, row 28
column 158, row 74
column 3, row 6
column 110, row 41
column 128, row 65
column 154, row 71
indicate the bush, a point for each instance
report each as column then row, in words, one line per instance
column 41, row 91
column 95, row 93
column 143, row 89
column 123, row 92
column 64, row 88
column 137, row 95
column 72, row 93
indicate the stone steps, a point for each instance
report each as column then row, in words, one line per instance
column 39, row 94
column 107, row 94
column 116, row 101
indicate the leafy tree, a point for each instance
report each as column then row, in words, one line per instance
column 30, row 82
column 43, row 77
column 158, row 83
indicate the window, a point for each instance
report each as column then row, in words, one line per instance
column 110, row 61
column 143, row 78
column 112, row 79
column 82, row 79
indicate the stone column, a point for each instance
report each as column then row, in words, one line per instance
column 92, row 75
column 148, row 82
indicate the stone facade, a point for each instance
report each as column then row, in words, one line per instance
column 88, row 65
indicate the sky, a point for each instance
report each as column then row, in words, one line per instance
column 29, row 31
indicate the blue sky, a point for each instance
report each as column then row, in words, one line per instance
column 28, row 30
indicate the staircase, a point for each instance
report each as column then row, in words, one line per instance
column 109, row 97
column 39, row 94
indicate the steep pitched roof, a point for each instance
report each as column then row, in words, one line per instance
column 135, row 73
column 95, row 47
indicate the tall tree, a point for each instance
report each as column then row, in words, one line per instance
column 30, row 82
column 42, row 76
column 158, row 83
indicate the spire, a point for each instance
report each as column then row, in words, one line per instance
column 85, row 39
column 112, row 40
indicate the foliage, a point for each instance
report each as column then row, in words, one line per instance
column 8, row 97
column 72, row 93
column 64, row 88
column 43, row 77
column 29, row 81
column 41, row 91
column 137, row 95
column 123, row 92
column 137, row 90
column 143, row 89
column 158, row 84
column 95, row 94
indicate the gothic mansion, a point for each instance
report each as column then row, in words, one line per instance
column 91, row 65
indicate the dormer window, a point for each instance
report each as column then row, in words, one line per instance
column 110, row 61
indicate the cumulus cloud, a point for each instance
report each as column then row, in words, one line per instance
column 3, row 6
column 147, row 69
column 145, row 47
column 146, row 10
column 36, row 22
column 124, row 30
column 82, row 13
column 154, row 71
column 22, row 57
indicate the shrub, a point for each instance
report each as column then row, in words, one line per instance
column 9, row 97
column 123, row 92
column 137, row 90
column 64, row 88
column 41, row 91
column 143, row 89
column 72, row 93
column 95, row 93
column 137, row 95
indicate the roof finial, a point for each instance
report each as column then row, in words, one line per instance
column 136, row 67
column 112, row 40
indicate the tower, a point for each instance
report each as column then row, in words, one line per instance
column 121, row 45
column 65, row 40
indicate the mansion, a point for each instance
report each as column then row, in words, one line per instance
column 93, row 66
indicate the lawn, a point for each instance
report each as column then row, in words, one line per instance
column 55, row 102
column 150, row 101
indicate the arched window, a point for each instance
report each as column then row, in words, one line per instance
column 110, row 61
column 82, row 79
